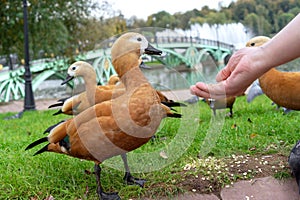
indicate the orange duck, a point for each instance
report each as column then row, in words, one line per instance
column 216, row 104
column 283, row 88
column 95, row 94
column 119, row 125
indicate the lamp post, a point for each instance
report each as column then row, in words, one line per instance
column 29, row 98
column 29, row 103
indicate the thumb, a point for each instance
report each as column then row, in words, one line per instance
column 223, row 74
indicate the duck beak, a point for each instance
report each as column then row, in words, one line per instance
column 68, row 78
column 144, row 66
column 150, row 50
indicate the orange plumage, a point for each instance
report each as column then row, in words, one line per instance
column 283, row 88
column 94, row 94
column 116, row 126
column 216, row 104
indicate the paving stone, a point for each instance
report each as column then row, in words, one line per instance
column 189, row 196
column 197, row 197
column 18, row 106
column 262, row 189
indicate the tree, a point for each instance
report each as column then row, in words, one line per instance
column 184, row 20
column 52, row 24
column 251, row 21
column 284, row 19
column 242, row 8
column 216, row 18
column 11, row 21
column 161, row 19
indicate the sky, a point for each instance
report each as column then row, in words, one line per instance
column 143, row 8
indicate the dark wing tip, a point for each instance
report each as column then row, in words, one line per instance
column 56, row 104
column 174, row 115
column 42, row 150
column 58, row 112
column 37, row 142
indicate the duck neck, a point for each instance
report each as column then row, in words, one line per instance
column 127, row 68
column 90, row 87
column 133, row 78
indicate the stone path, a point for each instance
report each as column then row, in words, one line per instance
column 18, row 106
column 267, row 188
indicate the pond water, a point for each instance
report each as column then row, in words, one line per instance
column 162, row 78
column 177, row 78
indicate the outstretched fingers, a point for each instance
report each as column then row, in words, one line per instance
column 216, row 91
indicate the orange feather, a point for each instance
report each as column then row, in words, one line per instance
column 283, row 88
column 216, row 104
column 95, row 94
column 116, row 126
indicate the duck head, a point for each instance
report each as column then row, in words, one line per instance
column 257, row 41
column 127, row 50
column 80, row 68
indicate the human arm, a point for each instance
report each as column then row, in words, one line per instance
column 248, row 64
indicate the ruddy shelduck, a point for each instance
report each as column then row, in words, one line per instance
column 283, row 88
column 93, row 93
column 119, row 125
column 224, row 103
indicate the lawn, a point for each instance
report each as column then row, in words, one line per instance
column 199, row 153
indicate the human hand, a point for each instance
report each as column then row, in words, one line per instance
column 241, row 70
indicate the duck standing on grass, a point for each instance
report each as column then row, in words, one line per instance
column 93, row 93
column 117, row 126
column 224, row 103
column 294, row 162
column 283, row 88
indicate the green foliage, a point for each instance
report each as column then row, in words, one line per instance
column 284, row 19
column 264, row 17
column 161, row 19
column 216, row 18
column 256, row 129
column 53, row 25
column 62, row 28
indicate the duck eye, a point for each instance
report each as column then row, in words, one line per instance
column 252, row 44
column 139, row 39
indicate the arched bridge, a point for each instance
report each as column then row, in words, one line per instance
column 188, row 51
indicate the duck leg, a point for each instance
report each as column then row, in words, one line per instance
column 230, row 112
column 102, row 195
column 214, row 111
column 128, row 178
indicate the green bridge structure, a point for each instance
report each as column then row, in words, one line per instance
column 188, row 51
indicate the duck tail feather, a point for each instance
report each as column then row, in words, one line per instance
column 58, row 112
column 174, row 115
column 64, row 99
column 37, row 142
column 42, row 150
column 52, row 127
column 174, row 104
column 56, row 105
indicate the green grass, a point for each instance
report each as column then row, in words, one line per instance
column 24, row 176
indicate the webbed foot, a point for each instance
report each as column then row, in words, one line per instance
column 130, row 180
column 109, row 196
